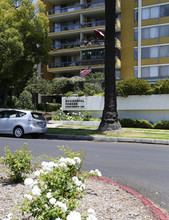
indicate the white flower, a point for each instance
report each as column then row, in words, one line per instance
column 58, row 219
column 28, row 182
column 52, row 201
column 37, row 173
column 91, row 217
column 62, row 206
column 36, row 191
column 77, row 159
column 91, row 211
column 74, row 216
column 49, row 195
column 70, row 161
column 76, row 181
column 98, row 172
column 27, row 196
column 63, row 165
column 92, row 171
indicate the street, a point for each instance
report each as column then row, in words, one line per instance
column 141, row 167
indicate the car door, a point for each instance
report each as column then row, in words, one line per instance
column 2, row 121
column 8, row 121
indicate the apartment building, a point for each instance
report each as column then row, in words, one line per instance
column 75, row 46
column 142, row 38
column 145, row 39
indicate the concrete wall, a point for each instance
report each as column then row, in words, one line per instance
column 153, row 108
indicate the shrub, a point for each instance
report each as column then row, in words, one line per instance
column 18, row 163
column 133, row 86
column 72, row 116
column 161, row 87
column 162, row 125
column 25, row 101
column 49, row 107
column 58, row 185
column 135, row 123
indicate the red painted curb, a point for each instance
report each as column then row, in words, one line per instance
column 146, row 202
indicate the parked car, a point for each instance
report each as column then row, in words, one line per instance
column 20, row 122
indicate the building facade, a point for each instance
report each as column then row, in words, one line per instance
column 142, row 38
column 148, row 21
column 75, row 46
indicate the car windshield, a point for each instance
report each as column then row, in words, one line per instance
column 37, row 116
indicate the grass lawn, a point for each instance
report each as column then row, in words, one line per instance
column 127, row 132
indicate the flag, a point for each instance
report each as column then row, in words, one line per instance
column 85, row 72
column 100, row 34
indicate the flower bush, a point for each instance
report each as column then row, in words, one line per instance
column 73, row 116
column 54, row 192
column 18, row 163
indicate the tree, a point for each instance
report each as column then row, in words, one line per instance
column 23, row 42
column 110, row 116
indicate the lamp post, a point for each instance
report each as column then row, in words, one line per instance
column 109, row 120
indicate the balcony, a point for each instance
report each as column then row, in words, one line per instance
column 78, row 65
column 76, row 7
column 86, row 44
column 77, row 26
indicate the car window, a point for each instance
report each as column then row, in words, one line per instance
column 20, row 114
column 37, row 116
column 1, row 114
column 9, row 114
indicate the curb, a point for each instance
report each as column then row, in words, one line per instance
column 153, row 209
column 108, row 139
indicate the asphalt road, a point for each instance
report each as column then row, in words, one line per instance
column 141, row 167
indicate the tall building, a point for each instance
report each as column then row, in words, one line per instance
column 142, row 38
column 75, row 46
column 145, row 39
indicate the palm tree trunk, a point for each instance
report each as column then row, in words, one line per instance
column 110, row 116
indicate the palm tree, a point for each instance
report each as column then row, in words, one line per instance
column 110, row 116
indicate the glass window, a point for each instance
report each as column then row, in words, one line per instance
column 136, row 72
column 164, row 31
column 154, row 32
column 153, row 52
column 164, row 71
column 145, row 72
column 37, row 116
column 154, row 12
column 136, row 14
column 135, row 34
column 145, row 33
column 145, row 13
column 135, row 53
column 164, row 51
column 154, row 71
column 145, row 53
column 164, row 10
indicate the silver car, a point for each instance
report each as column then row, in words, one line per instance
column 20, row 122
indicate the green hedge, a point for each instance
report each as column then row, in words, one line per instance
column 49, row 107
column 135, row 123
column 161, row 125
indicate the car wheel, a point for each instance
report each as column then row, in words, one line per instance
column 18, row 132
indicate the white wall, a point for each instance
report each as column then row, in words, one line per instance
column 153, row 108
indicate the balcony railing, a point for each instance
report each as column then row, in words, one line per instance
column 77, row 26
column 84, row 43
column 76, row 7
column 76, row 63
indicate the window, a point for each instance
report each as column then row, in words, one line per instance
column 145, row 72
column 149, row 52
column 164, row 31
column 135, row 53
column 135, row 34
column 164, row 71
column 136, row 15
column 164, row 51
column 164, row 10
column 149, row 33
column 154, row 71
